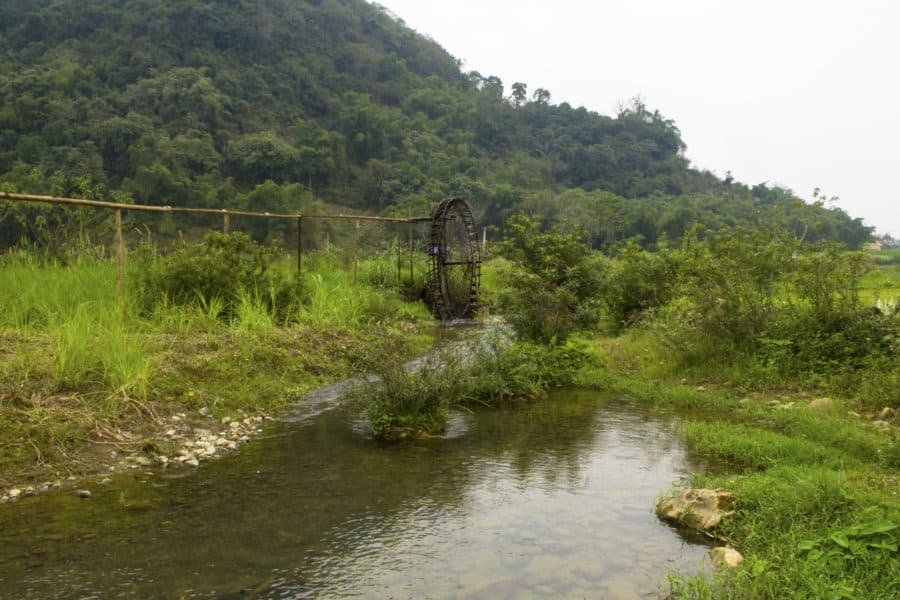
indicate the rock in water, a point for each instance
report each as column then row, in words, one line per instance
column 701, row 509
column 725, row 557
column 83, row 493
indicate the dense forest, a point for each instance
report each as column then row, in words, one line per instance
column 277, row 104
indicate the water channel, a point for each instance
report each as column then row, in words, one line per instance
column 549, row 499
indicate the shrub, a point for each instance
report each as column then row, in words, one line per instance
column 403, row 401
column 218, row 269
column 763, row 298
column 638, row 281
column 553, row 281
column 486, row 371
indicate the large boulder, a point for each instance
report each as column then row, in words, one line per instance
column 701, row 509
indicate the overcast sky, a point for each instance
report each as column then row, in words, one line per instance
column 795, row 93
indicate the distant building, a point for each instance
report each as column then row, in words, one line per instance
column 875, row 246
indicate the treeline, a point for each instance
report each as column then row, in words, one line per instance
column 198, row 102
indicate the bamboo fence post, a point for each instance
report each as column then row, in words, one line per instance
column 120, row 256
column 399, row 254
column 356, row 253
column 410, row 231
column 226, row 225
column 299, row 244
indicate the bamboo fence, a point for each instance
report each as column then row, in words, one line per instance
column 226, row 214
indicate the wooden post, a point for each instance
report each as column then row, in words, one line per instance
column 356, row 253
column 399, row 255
column 226, row 225
column 299, row 244
column 410, row 231
column 120, row 256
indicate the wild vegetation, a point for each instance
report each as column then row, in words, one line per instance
column 82, row 373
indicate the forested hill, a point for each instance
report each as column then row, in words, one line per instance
column 200, row 102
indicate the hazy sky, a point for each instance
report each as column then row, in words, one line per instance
column 795, row 93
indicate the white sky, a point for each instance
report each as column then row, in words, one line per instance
column 796, row 93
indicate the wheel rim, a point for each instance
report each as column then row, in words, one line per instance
column 454, row 261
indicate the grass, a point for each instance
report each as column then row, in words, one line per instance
column 81, row 373
column 34, row 296
column 816, row 491
column 94, row 348
column 881, row 285
column 332, row 299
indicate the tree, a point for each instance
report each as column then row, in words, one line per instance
column 541, row 96
column 519, row 93
column 260, row 156
column 493, row 87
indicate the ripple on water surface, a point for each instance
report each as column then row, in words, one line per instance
column 550, row 499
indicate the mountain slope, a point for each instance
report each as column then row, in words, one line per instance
column 198, row 102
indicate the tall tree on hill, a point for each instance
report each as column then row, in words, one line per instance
column 519, row 93
column 541, row 96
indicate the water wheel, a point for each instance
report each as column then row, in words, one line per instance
column 454, row 265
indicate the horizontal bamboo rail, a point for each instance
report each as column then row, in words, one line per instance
column 214, row 211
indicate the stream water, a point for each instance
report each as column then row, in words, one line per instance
column 549, row 499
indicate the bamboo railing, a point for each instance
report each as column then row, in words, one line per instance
column 226, row 214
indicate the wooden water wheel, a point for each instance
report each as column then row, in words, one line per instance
column 454, row 265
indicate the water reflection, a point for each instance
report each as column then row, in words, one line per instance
column 546, row 499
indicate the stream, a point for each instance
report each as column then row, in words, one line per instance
column 548, row 499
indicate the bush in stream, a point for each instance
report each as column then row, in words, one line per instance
column 496, row 370
column 404, row 403
column 486, row 371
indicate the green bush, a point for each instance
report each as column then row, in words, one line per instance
column 638, row 281
column 764, row 298
column 403, row 402
column 553, row 281
column 486, row 371
column 220, row 269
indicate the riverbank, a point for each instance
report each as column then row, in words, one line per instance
column 207, row 393
column 91, row 384
column 815, row 480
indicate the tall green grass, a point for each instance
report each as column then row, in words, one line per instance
column 331, row 298
column 100, row 342
column 881, row 285
column 96, row 340
column 34, row 295
column 253, row 315
column 94, row 347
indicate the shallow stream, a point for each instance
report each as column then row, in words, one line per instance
column 549, row 499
